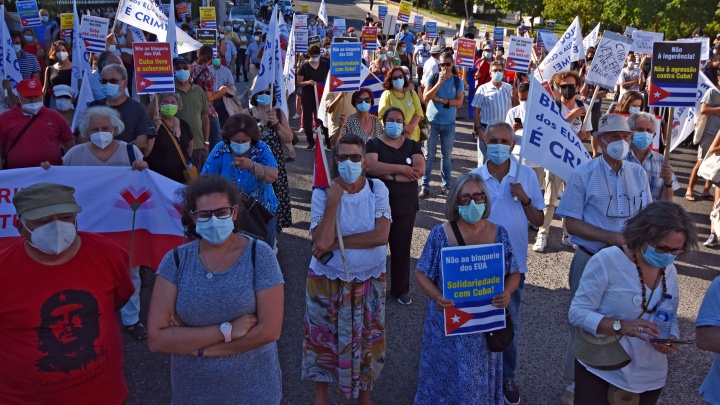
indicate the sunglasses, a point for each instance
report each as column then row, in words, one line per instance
column 365, row 99
column 397, row 77
column 111, row 81
column 263, row 92
column 447, row 64
column 464, row 199
column 567, row 86
column 664, row 249
column 353, row 157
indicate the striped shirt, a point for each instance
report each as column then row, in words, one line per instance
column 653, row 164
column 493, row 103
column 223, row 77
column 598, row 196
column 28, row 65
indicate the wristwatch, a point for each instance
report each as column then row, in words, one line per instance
column 616, row 326
column 528, row 203
column 226, row 329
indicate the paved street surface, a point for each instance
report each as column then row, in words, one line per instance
column 543, row 333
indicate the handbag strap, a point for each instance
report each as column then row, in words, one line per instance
column 17, row 138
column 456, row 232
column 131, row 153
column 177, row 145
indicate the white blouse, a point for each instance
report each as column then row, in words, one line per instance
column 610, row 287
column 356, row 213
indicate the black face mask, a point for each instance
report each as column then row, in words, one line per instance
column 568, row 92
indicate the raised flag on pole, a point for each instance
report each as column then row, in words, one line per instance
column 271, row 66
column 147, row 16
column 84, row 98
column 172, row 35
column 685, row 117
column 322, row 13
column 10, row 65
column 567, row 50
column 289, row 66
column 592, row 38
column 81, row 59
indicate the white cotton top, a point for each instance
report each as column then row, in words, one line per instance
column 357, row 213
column 81, row 155
column 610, row 287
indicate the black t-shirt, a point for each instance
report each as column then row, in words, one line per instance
column 403, row 195
column 134, row 116
column 309, row 73
column 164, row 157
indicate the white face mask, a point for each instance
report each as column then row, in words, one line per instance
column 63, row 104
column 32, row 108
column 101, row 139
column 617, row 149
column 61, row 56
column 52, row 238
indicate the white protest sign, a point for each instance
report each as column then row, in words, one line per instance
column 548, row 140
column 519, row 54
column 147, row 16
column 339, row 26
column 609, row 58
column 418, row 22
column 644, row 40
column 629, row 30
column 704, row 46
column 568, row 49
column 94, row 31
column 549, row 39
column 685, row 117
column 591, row 39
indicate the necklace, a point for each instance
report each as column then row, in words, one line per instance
column 644, row 289
column 402, row 97
column 211, row 271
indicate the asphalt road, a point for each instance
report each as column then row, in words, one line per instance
column 543, row 313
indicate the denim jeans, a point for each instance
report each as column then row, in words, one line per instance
column 445, row 134
column 214, row 132
column 481, row 152
column 510, row 352
column 130, row 313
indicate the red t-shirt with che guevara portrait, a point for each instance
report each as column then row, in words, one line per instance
column 60, row 340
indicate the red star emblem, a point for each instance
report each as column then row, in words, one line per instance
column 143, row 83
column 455, row 318
column 62, row 297
column 335, row 83
column 509, row 63
column 657, row 94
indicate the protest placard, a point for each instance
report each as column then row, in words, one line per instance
column 66, row 25
column 548, row 140
column 404, row 11
column 207, row 17
column 153, row 67
column 165, row 9
column 472, row 276
column 313, row 40
column 519, row 54
column 674, row 74
column 305, row 8
column 482, row 29
column 339, row 26
column 382, row 12
column 300, row 33
column 94, row 32
column 629, row 30
column 345, row 66
column 685, row 117
column 465, row 55
column 389, row 25
column 418, row 22
column 369, row 38
column 181, row 9
column 550, row 24
column 28, row 13
column 609, row 59
column 431, row 29
column 498, row 36
column 208, row 37
column 705, row 46
column 643, row 40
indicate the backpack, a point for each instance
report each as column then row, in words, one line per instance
column 578, row 103
column 435, row 76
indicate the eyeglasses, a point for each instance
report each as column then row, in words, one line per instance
column 446, row 64
column 220, row 213
column 397, row 77
column 355, row 157
column 464, row 199
column 664, row 249
column 567, row 86
column 365, row 99
column 264, row 92
column 56, row 43
column 634, row 204
column 111, row 81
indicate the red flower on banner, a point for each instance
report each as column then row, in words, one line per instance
column 133, row 199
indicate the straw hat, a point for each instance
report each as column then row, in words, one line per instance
column 604, row 353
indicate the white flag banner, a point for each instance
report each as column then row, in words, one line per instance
column 548, row 140
column 568, row 49
column 271, row 66
column 147, row 16
column 81, row 58
column 83, row 100
column 289, row 66
column 10, row 64
column 172, row 34
column 609, row 58
column 704, row 46
column 143, row 198
column 591, row 39
column 685, row 117
column 322, row 13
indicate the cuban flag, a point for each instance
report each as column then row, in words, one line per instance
column 10, row 66
column 665, row 94
column 155, row 83
column 517, row 64
column 79, row 64
column 473, row 317
column 375, row 84
column 208, row 24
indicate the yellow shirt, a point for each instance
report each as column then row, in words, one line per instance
column 409, row 103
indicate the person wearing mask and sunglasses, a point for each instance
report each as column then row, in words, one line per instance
column 313, row 71
column 361, row 123
column 398, row 94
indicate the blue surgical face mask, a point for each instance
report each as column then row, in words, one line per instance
column 642, row 140
column 28, row 38
column 390, row 54
column 382, row 56
column 44, row 18
column 398, row 83
column 658, row 260
column 350, row 171
column 315, row 59
column 498, row 153
column 363, row 107
column 239, row 148
column 216, row 62
column 228, row 28
column 111, row 90
column 182, row 75
column 631, row 65
column 264, row 99
column 17, row 48
column 633, row 110
column 472, row 212
column 215, row 231
column 393, row 129
column 497, row 76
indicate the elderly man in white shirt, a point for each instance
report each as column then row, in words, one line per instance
column 492, row 101
column 430, row 67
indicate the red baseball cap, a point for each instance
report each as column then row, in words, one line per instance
column 29, row 88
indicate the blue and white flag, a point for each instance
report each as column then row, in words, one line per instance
column 567, row 50
column 81, row 59
column 591, row 39
column 684, row 118
column 10, row 64
column 83, row 100
column 171, row 34
column 147, row 16
column 271, row 66
column 322, row 13
column 289, row 66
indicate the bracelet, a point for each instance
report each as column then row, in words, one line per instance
column 206, row 143
column 254, row 169
column 201, row 353
column 668, row 185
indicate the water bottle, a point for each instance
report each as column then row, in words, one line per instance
column 664, row 316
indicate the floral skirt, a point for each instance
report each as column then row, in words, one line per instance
column 344, row 332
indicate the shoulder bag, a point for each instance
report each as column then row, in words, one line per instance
column 189, row 172
column 497, row 340
column 253, row 216
column 6, row 153
column 710, row 169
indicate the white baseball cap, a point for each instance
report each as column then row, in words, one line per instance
column 612, row 123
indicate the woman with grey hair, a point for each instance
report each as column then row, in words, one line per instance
column 460, row 369
column 100, row 124
column 172, row 148
column 619, row 295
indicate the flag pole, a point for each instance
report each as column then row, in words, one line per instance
column 668, row 133
column 592, row 103
column 525, row 136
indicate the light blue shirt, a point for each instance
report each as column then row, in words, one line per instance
column 599, row 197
column 493, row 103
column 409, row 40
column 436, row 111
column 709, row 315
column 653, row 164
column 509, row 213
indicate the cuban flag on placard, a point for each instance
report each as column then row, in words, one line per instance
column 155, row 83
column 208, row 24
column 671, row 94
column 95, row 45
column 517, row 64
column 343, row 83
column 473, row 317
